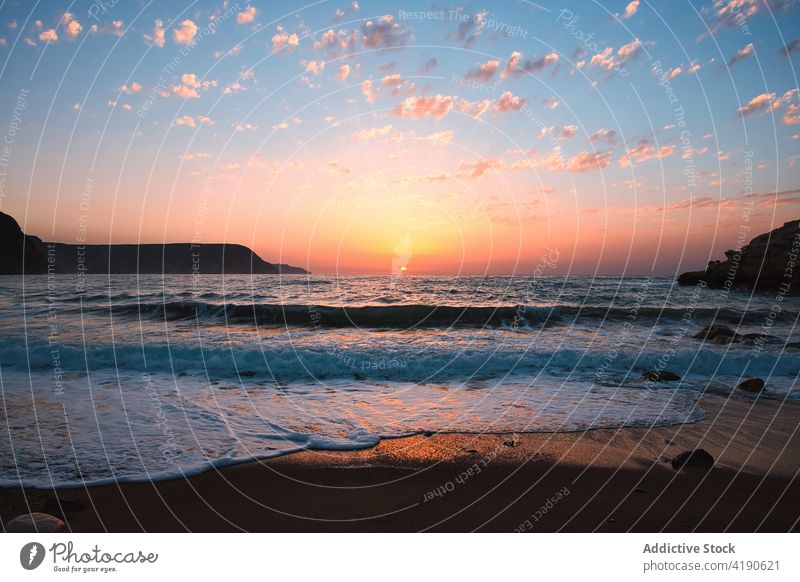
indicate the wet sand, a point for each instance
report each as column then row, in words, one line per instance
column 599, row 480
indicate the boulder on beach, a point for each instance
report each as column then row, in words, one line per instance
column 752, row 385
column 35, row 523
column 760, row 265
column 718, row 334
column 699, row 458
column 662, row 376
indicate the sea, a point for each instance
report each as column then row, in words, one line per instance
column 150, row 377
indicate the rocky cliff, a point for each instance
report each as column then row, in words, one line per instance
column 25, row 253
column 768, row 263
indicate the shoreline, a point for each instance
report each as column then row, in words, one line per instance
column 596, row 480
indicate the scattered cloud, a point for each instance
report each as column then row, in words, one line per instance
column 190, row 121
column 344, row 72
column 516, row 66
column 336, row 42
column 478, row 167
column 384, row 33
column 367, row 91
column 644, row 151
column 741, row 54
column 475, row 109
column 246, row 15
column 608, row 136
column 283, row 40
column 72, row 27
column 470, row 27
column 438, row 138
column 429, row 66
column 157, row 38
column 425, row 106
column 630, row 10
column 48, row 35
column 792, row 47
column 185, row 33
column 484, row 72
column 508, row 102
column 372, row 132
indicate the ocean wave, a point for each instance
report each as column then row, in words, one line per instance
column 425, row 316
column 396, row 362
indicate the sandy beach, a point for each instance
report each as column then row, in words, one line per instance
column 600, row 480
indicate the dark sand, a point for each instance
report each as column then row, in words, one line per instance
column 617, row 480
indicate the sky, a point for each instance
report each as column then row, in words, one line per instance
column 630, row 137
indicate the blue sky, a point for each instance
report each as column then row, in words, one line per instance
column 624, row 133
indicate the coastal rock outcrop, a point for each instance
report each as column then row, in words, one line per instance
column 27, row 254
column 20, row 252
column 699, row 458
column 35, row 523
column 754, row 385
column 654, row 376
column 717, row 334
column 767, row 263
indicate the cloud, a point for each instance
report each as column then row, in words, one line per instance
column 791, row 47
column 428, row 66
column 158, row 34
column 372, row 133
column 741, row 54
column 514, row 68
column 185, row 92
column 242, row 127
column 384, row 33
column 474, row 108
column 760, row 103
column 630, row 10
column 630, row 51
column 508, row 102
column 608, row 61
column 344, row 72
column 185, row 33
column 71, row 26
column 438, row 138
column 478, row 167
column 425, row 106
column 335, row 43
column 560, row 133
column 470, row 27
column 247, row 15
column 48, row 36
column 485, row 72
column 284, row 40
column 132, row 88
column 731, row 13
column 366, row 91
column 608, row 136
column 315, row 67
column 189, row 86
column 585, row 161
column 190, row 121
column 765, row 102
column 644, row 151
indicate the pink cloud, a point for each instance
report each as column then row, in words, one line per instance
column 284, row 40
column 478, row 167
column 508, row 102
column 644, row 151
column 485, row 72
column 383, row 33
column 425, row 106
column 185, row 33
column 246, row 15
